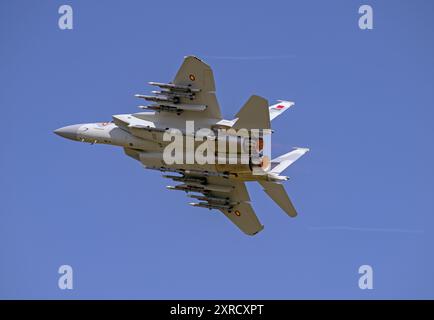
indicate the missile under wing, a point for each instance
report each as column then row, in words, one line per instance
column 190, row 95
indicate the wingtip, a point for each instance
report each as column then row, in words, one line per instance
column 256, row 232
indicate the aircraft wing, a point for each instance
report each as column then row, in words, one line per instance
column 227, row 195
column 242, row 213
column 198, row 75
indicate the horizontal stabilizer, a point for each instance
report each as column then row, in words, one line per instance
column 284, row 161
column 278, row 108
column 277, row 192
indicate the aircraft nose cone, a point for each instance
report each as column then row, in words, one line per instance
column 68, row 132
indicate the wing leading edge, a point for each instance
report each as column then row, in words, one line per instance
column 227, row 195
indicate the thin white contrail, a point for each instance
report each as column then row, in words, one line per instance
column 345, row 228
column 288, row 56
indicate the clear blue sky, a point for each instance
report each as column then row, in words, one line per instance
column 364, row 105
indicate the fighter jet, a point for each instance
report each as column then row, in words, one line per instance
column 190, row 99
